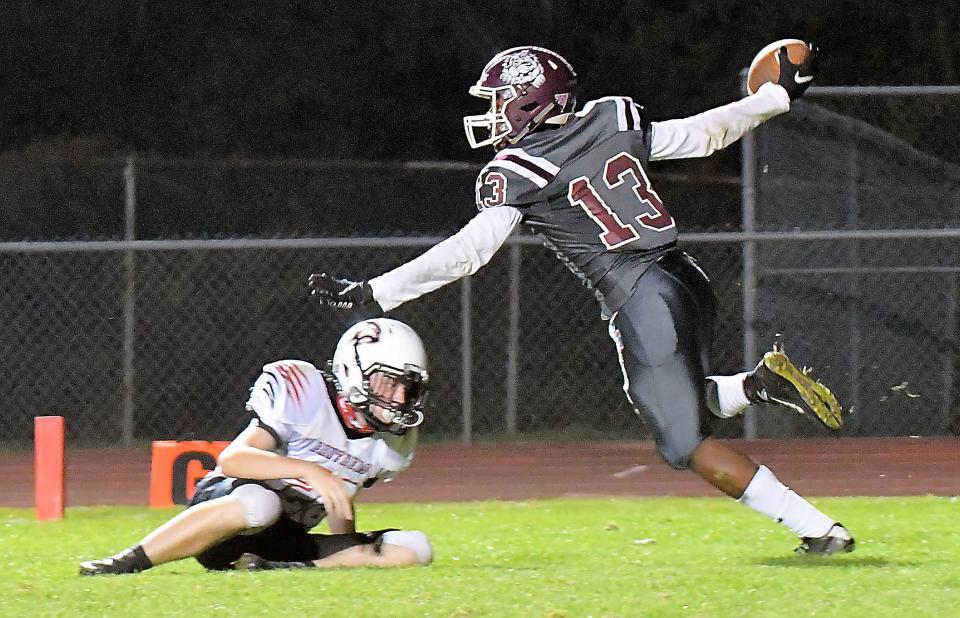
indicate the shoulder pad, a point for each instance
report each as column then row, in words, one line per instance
column 512, row 177
column 288, row 391
column 619, row 111
column 286, row 365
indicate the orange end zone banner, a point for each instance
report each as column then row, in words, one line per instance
column 176, row 467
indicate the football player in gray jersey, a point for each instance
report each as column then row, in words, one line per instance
column 316, row 439
column 580, row 180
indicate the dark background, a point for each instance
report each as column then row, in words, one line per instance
column 300, row 119
column 282, row 79
column 380, row 80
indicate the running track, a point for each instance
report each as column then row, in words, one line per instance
column 519, row 471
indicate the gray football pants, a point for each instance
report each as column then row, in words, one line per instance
column 663, row 335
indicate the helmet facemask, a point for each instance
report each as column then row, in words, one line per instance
column 494, row 122
column 379, row 404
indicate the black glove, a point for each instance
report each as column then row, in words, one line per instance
column 795, row 78
column 339, row 293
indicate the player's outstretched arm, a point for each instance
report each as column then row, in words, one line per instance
column 458, row 256
column 715, row 129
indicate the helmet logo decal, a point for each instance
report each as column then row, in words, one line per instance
column 369, row 333
column 522, row 68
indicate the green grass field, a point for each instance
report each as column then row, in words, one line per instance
column 709, row 557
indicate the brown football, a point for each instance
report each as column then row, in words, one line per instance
column 765, row 66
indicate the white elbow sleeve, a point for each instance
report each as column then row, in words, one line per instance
column 412, row 539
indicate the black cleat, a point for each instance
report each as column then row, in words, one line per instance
column 132, row 560
column 251, row 562
column 106, row 566
column 776, row 380
column 838, row 540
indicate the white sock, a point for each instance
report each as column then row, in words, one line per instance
column 765, row 494
column 730, row 391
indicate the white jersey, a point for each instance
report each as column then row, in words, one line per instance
column 292, row 401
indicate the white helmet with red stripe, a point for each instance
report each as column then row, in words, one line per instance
column 386, row 351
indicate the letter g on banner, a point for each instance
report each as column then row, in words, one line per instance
column 177, row 466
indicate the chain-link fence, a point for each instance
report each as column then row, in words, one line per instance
column 143, row 197
column 878, row 307
column 139, row 340
column 531, row 357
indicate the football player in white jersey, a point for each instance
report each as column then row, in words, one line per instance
column 316, row 439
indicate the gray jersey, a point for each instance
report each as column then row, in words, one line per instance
column 584, row 188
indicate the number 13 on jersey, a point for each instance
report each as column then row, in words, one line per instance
column 622, row 174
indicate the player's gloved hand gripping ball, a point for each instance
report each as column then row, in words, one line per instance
column 791, row 63
column 796, row 78
column 339, row 293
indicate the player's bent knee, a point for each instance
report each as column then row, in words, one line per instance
column 414, row 540
column 677, row 456
column 261, row 506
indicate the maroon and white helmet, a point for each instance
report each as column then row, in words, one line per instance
column 526, row 86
